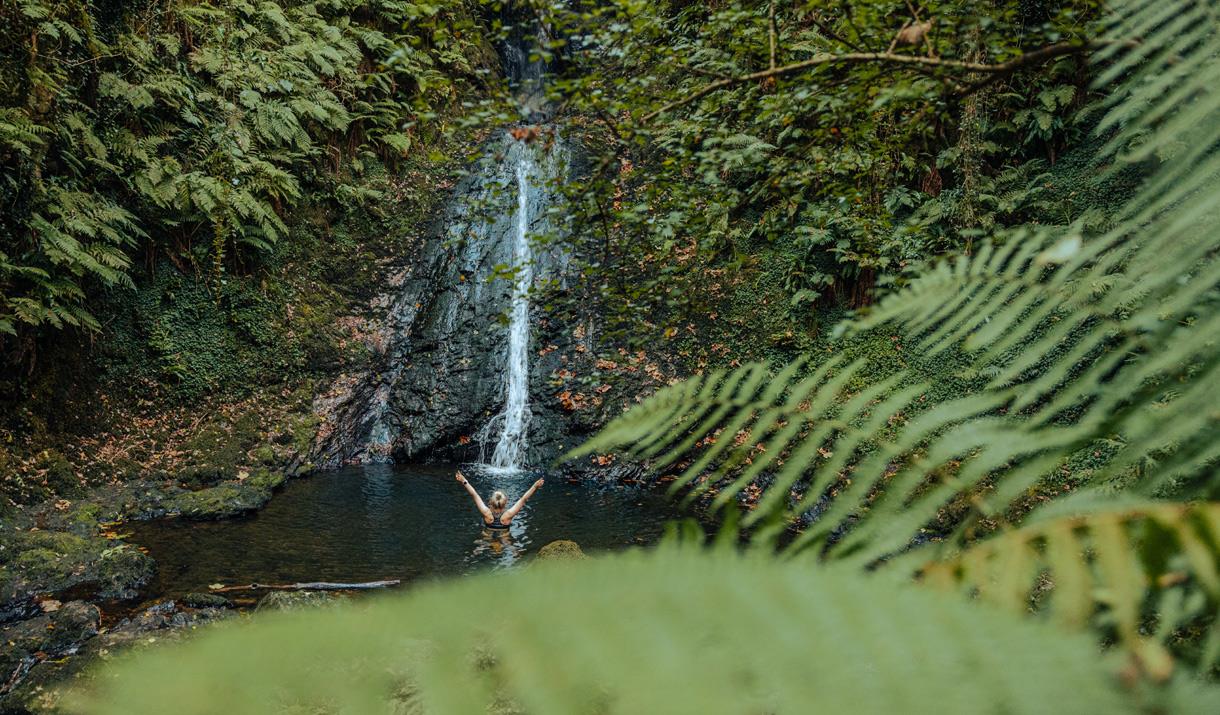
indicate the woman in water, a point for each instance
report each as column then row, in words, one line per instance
column 495, row 515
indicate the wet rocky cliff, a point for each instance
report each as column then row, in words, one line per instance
column 438, row 334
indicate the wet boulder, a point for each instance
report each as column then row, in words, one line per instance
column 205, row 600
column 122, row 571
column 59, row 631
column 250, row 492
column 295, row 600
column 220, row 502
column 48, row 562
column 562, row 550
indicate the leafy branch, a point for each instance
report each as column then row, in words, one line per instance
column 1035, row 57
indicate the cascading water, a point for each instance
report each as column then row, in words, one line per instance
column 526, row 74
column 514, row 420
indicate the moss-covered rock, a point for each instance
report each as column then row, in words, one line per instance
column 83, row 520
column 205, row 600
column 52, row 560
column 122, row 571
column 295, row 600
column 202, row 476
column 59, row 474
column 263, row 478
column 219, row 502
column 56, row 561
column 562, row 550
column 265, row 454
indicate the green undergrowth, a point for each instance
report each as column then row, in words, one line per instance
column 195, row 381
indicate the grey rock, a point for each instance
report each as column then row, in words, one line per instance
column 439, row 344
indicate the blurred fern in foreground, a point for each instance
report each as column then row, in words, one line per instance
column 673, row 631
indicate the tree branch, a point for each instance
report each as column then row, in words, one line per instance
column 1038, row 56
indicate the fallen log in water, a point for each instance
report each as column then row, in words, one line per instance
column 310, row 586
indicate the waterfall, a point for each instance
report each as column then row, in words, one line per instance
column 442, row 362
column 525, row 74
column 514, row 421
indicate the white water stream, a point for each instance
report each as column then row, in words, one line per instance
column 509, row 455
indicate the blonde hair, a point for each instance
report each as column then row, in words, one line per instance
column 498, row 500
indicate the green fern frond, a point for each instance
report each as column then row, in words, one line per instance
column 1113, row 562
column 822, row 452
column 19, row 132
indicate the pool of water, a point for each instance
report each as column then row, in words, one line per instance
column 391, row 522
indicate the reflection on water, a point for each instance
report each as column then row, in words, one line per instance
column 385, row 522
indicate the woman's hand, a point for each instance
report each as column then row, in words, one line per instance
column 538, row 483
column 461, row 479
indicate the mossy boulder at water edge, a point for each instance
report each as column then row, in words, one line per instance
column 122, row 571
column 54, row 561
column 219, row 502
column 295, row 600
column 205, row 600
column 84, row 519
column 562, row 550
column 228, row 499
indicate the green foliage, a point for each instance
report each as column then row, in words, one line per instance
column 1082, row 338
column 188, row 130
column 1092, row 336
column 706, row 633
column 839, row 172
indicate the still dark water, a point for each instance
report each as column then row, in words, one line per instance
column 391, row 522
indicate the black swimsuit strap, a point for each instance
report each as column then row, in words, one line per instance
column 495, row 524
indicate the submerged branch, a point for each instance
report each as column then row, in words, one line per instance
column 310, row 586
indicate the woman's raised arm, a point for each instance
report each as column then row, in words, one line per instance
column 512, row 511
column 478, row 500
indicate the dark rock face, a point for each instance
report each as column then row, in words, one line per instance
column 440, row 349
column 47, row 636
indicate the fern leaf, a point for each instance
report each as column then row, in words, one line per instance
column 1110, row 562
